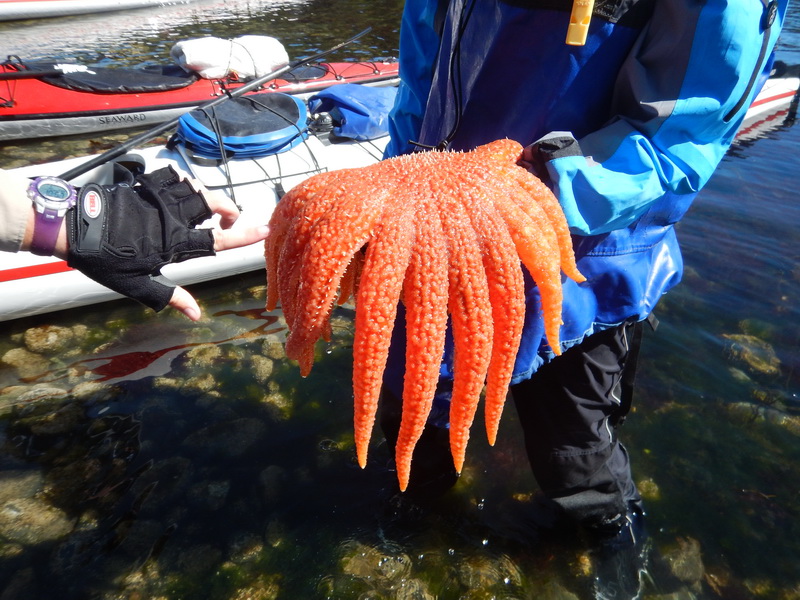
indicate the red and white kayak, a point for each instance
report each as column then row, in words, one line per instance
column 46, row 99
column 775, row 104
column 14, row 10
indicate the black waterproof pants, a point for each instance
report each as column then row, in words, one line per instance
column 569, row 410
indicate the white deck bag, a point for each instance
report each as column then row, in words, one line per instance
column 247, row 56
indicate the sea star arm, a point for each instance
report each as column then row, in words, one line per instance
column 387, row 256
column 425, row 299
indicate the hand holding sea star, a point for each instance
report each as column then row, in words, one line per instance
column 445, row 233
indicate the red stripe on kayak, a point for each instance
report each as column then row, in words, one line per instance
column 34, row 271
column 774, row 98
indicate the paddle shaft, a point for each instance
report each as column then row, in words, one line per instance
column 113, row 153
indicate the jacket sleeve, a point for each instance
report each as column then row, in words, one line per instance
column 679, row 100
column 15, row 210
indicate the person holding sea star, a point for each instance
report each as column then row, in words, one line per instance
column 625, row 112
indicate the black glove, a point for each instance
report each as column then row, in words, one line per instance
column 121, row 235
column 553, row 145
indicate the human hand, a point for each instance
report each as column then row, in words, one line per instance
column 527, row 160
column 557, row 144
column 224, row 239
column 142, row 228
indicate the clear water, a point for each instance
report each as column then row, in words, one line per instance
column 154, row 458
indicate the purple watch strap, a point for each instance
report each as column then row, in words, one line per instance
column 45, row 233
column 52, row 198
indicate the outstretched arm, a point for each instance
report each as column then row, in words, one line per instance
column 19, row 222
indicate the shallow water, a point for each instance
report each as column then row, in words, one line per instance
column 147, row 457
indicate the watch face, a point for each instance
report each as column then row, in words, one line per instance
column 54, row 191
column 51, row 194
column 51, row 197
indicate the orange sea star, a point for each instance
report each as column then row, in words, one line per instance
column 443, row 232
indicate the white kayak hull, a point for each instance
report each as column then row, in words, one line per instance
column 772, row 106
column 16, row 10
column 31, row 285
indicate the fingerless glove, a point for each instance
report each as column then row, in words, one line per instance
column 122, row 235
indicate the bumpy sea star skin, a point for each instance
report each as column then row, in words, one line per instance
column 380, row 284
column 470, row 313
column 323, row 262
column 507, row 298
column 443, row 232
column 425, row 293
column 287, row 218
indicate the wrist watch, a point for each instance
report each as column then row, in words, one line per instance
column 51, row 198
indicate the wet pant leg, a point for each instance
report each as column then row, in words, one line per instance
column 567, row 410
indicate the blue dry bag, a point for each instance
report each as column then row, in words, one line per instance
column 359, row 112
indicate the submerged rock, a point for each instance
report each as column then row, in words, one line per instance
column 271, row 483
column 754, row 353
column 95, row 391
column 649, row 489
column 164, row 484
column 210, row 495
column 27, row 363
column 486, row 573
column 42, row 393
column 273, row 348
column 30, row 521
column 262, row 368
column 20, row 484
column 199, row 559
column 281, row 406
column 228, row 438
column 48, row 339
column 203, row 355
column 265, row 587
column 553, row 590
column 21, row 585
column 685, row 561
column 200, row 384
column 60, row 421
column 755, row 413
column 28, row 399
column 367, row 562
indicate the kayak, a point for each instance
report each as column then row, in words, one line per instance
column 13, row 10
column 47, row 99
column 31, row 285
column 775, row 105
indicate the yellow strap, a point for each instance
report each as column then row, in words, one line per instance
column 579, row 22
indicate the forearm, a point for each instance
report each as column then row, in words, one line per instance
column 16, row 213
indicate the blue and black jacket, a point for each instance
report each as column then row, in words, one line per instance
column 629, row 126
